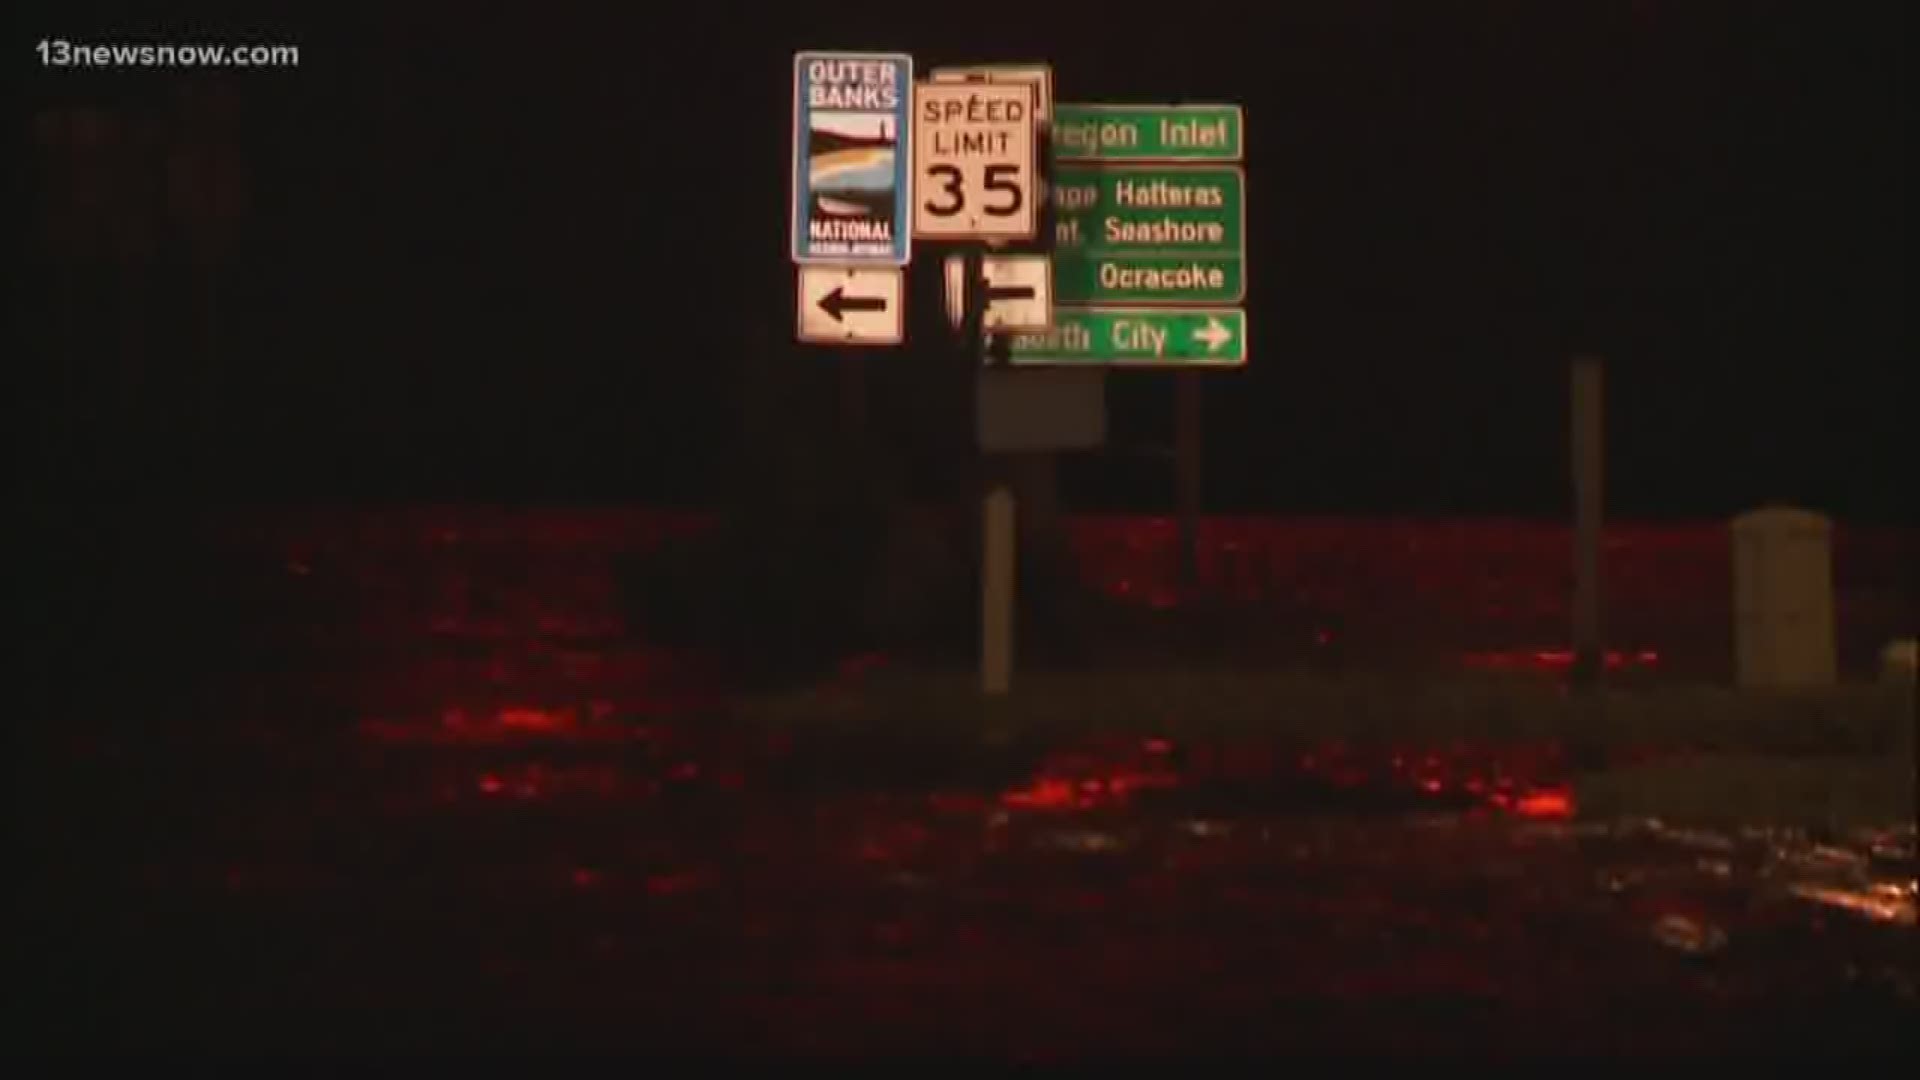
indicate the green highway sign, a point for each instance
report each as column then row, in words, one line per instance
column 1150, row 209
column 1084, row 277
column 1136, row 337
column 1136, row 234
column 1147, row 132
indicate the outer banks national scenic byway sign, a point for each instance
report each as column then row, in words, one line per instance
column 852, row 145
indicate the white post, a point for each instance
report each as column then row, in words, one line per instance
column 1588, row 431
column 996, row 593
column 1188, row 443
column 1783, row 607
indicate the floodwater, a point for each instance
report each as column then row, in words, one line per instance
column 434, row 796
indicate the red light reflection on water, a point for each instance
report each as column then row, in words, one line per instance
column 1553, row 803
column 1523, row 779
column 1044, row 793
column 676, row 884
column 1556, row 659
column 545, row 721
column 860, row 664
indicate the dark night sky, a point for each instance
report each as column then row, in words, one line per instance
column 517, row 246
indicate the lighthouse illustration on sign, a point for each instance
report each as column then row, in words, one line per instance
column 850, row 170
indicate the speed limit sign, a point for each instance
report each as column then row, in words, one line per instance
column 973, row 161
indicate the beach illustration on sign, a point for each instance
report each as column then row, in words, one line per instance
column 850, row 158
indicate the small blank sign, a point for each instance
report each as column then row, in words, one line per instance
column 1039, row 410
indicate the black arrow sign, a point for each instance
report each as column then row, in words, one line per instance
column 1009, row 292
column 838, row 301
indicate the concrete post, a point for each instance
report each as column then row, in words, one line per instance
column 1589, row 656
column 1783, row 617
column 997, row 570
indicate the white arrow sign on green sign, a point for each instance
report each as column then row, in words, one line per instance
column 1137, row 337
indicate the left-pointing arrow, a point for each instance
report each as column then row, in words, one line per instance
column 838, row 301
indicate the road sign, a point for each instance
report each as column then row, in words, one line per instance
column 1148, row 133
column 1040, row 411
column 852, row 145
column 1019, row 291
column 973, row 161
column 1095, row 278
column 1039, row 75
column 1146, row 234
column 1137, row 337
column 851, row 305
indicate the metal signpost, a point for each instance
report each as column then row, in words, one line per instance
column 1151, row 210
column 1131, row 254
column 850, row 203
column 976, row 159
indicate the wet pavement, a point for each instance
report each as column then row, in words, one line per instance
column 434, row 819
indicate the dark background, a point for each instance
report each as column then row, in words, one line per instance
column 530, row 253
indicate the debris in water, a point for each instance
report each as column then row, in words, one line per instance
column 1617, row 881
column 1890, row 902
column 1689, row 935
column 1699, row 839
column 1206, row 830
column 1083, row 841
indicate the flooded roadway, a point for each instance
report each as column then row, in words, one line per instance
column 709, row 895
column 517, row 843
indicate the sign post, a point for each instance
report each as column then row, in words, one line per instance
column 1586, row 431
column 1131, row 254
column 1150, row 248
column 850, row 196
column 1188, row 445
column 998, row 548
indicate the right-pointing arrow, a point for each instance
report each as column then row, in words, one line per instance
column 1213, row 335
